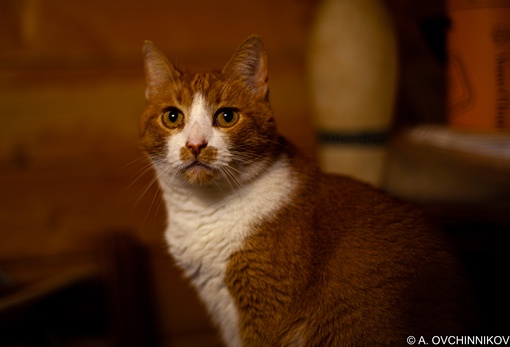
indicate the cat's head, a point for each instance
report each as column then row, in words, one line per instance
column 209, row 128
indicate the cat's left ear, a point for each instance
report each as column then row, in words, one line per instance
column 249, row 64
column 159, row 72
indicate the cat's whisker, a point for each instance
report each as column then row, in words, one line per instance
column 142, row 193
column 149, row 210
column 140, row 173
column 136, row 161
column 248, row 155
column 170, row 173
column 227, row 179
column 140, row 197
column 178, row 167
column 232, row 177
column 165, row 171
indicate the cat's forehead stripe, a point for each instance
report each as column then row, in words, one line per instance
column 200, row 83
column 199, row 124
column 198, row 109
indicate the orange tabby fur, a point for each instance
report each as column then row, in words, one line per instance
column 339, row 263
column 346, row 265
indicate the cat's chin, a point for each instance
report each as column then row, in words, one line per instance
column 198, row 174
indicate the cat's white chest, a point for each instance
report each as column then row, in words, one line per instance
column 204, row 230
column 201, row 239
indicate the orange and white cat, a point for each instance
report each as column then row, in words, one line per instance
column 280, row 253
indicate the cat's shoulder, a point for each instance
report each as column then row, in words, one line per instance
column 343, row 199
column 334, row 188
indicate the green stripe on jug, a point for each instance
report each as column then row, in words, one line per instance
column 364, row 138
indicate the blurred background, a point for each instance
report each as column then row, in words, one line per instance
column 82, row 256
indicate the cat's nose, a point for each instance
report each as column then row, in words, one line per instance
column 196, row 147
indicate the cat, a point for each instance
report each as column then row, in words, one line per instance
column 280, row 253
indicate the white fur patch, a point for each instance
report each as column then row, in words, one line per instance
column 198, row 127
column 205, row 226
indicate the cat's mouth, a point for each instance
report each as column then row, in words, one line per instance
column 198, row 173
column 197, row 165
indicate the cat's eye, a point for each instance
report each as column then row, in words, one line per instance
column 173, row 118
column 226, row 117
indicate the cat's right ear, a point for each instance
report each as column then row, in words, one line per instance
column 249, row 64
column 159, row 72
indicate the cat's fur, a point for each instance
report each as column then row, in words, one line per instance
column 280, row 253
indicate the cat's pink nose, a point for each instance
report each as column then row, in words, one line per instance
column 196, row 147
